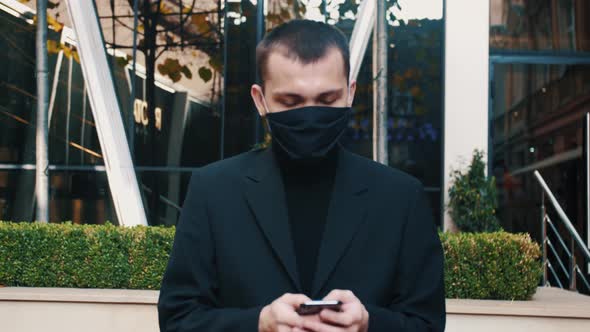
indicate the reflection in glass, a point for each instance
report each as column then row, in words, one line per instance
column 73, row 138
column 415, row 95
column 77, row 196
column 540, row 25
column 174, row 115
column 81, row 197
column 241, row 126
column 18, row 89
column 188, row 107
column 17, row 195
column 537, row 124
column 172, row 186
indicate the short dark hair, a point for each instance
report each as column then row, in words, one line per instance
column 305, row 41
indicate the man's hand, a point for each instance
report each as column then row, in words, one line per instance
column 353, row 317
column 280, row 315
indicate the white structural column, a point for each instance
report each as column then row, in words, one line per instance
column 466, row 86
column 361, row 33
column 107, row 115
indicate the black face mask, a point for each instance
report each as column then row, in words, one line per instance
column 308, row 132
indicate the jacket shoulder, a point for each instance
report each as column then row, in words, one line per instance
column 386, row 176
column 226, row 168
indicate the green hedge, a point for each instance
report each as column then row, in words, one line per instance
column 83, row 256
column 500, row 266
column 481, row 266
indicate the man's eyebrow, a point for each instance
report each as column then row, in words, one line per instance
column 330, row 92
column 280, row 94
column 295, row 95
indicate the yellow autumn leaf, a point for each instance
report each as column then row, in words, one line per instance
column 67, row 52
column 200, row 22
column 416, row 91
column 53, row 47
column 76, row 56
column 164, row 9
column 52, row 22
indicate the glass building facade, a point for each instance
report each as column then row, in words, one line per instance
column 199, row 109
column 539, row 97
column 188, row 104
column 540, row 93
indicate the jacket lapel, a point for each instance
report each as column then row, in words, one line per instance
column 346, row 213
column 265, row 194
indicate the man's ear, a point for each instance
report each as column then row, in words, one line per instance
column 351, row 93
column 258, row 98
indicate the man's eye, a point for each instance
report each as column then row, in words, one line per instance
column 328, row 102
column 288, row 103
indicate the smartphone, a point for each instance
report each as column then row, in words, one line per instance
column 314, row 307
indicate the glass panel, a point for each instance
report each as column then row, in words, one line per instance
column 415, row 93
column 242, row 128
column 18, row 88
column 173, row 118
column 81, row 197
column 202, row 137
column 163, row 204
column 77, row 196
column 73, row 138
column 198, row 111
column 179, row 71
column 17, row 195
column 537, row 124
column 540, row 25
column 416, row 99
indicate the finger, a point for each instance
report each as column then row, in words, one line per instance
column 345, row 296
column 297, row 329
column 345, row 318
column 315, row 317
column 284, row 314
column 294, row 300
column 321, row 327
column 284, row 328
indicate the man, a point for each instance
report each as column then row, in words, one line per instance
column 267, row 230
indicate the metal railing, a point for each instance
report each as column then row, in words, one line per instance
column 573, row 269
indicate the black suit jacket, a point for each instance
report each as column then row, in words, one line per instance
column 233, row 254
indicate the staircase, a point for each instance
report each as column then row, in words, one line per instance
column 563, row 273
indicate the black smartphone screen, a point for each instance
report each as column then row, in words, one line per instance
column 314, row 307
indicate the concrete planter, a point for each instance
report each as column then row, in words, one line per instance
column 551, row 309
column 66, row 309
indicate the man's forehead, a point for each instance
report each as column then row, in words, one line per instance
column 280, row 55
column 285, row 73
column 287, row 92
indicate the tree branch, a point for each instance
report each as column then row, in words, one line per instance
column 113, row 45
column 161, row 52
column 125, row 25
column 183, row 21
column 185, row 44
column 163, row 14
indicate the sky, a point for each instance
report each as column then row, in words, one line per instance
column 410, row 9
column 419, row 9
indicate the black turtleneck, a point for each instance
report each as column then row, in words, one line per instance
column 308, row 188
